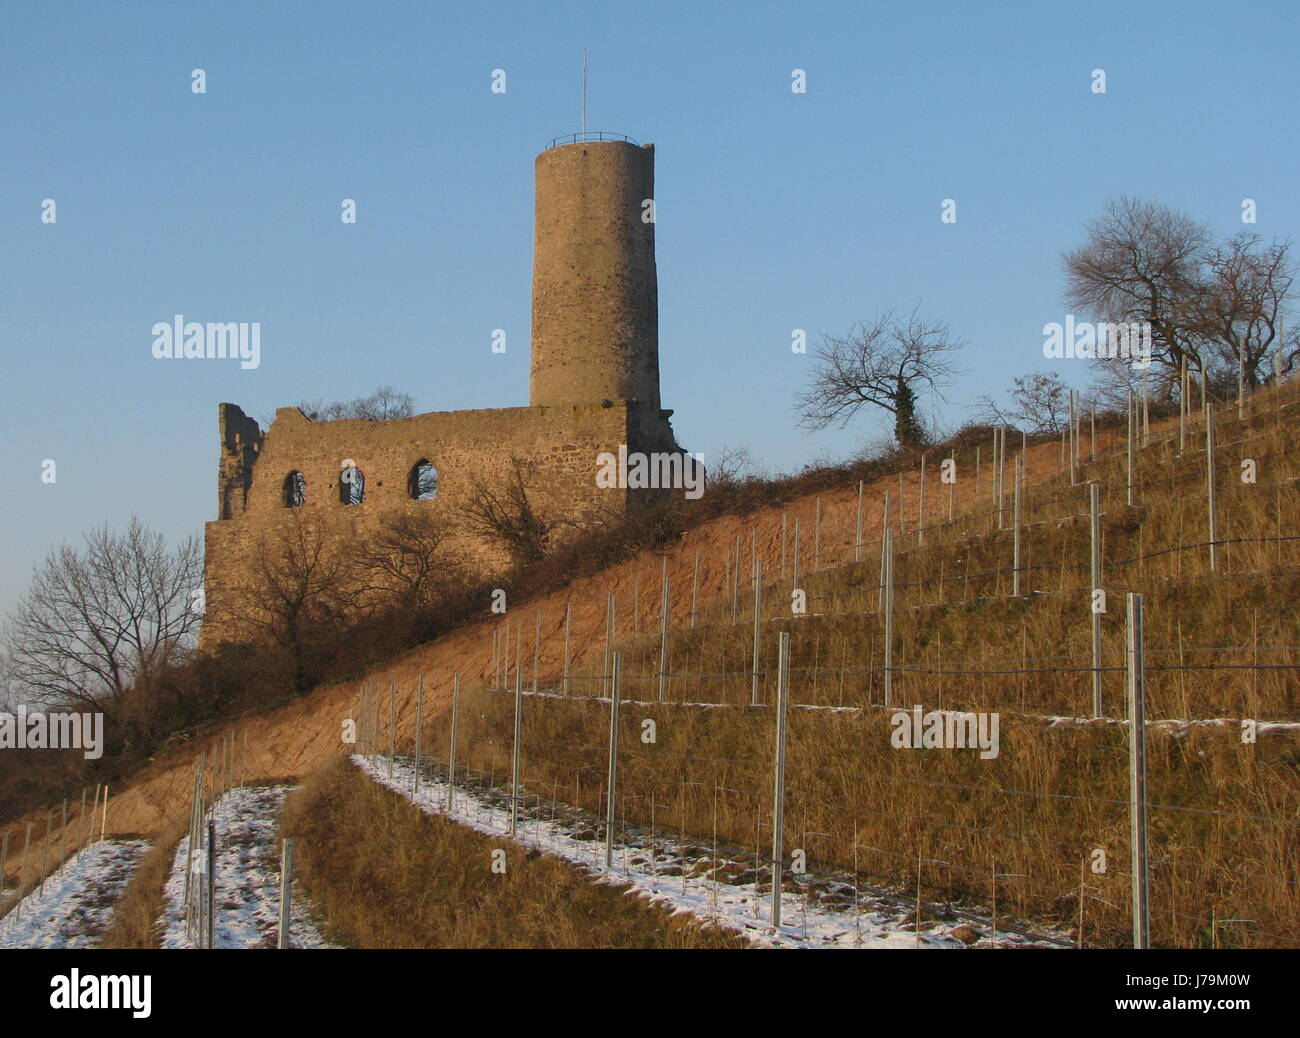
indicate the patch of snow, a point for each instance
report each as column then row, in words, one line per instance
column 247, row 887
column 78, row 900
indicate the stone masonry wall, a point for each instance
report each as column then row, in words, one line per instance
column 463, row 446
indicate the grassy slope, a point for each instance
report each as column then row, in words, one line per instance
column 386, row 875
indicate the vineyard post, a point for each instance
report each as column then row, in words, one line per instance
column 27, row 843
column 1182, row 404
column 884, row 533
column 537, row 647
column 514, row 764
column 889, row 616
column 568, row 627
column 419, row 726
column 1138, row 773
column 451, row 753
column 189, row 849
column 758, row 620
column 735, row 581
column 900, row 502
column 952, row 486
column 795, row 581
column 998, row 455
column 1209, row 485
column 778, row 793
column 90, row 820
column 663, row 635
column 1073, row 440
column 1129, row 478
column 695, row 586
column 817, row 537
column 857, row 527
column 1094, row 525
column 1146, row 409
column 920, row 508
column 210, row 905
column 611, row 782
column 392, row 722
column 609, row 643
column 286, row 892
column 1015, row 564
column 785, row 521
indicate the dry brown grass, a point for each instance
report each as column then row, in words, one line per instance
column 386, row 875
column 135, row 921
column 1224, row 825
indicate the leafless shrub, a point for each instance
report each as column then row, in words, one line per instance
column 1039, row 404
column 299, row 592
column 406, row 562
column 506, row 513
column 384, row 404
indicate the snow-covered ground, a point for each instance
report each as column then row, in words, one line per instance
column 721, row 889
column 77, row 905
column 247, row 885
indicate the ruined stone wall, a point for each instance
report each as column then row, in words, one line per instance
column 463, row 446
column 241, row 441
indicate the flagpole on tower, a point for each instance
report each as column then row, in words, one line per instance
column 584, row 92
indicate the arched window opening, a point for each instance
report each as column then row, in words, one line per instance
column 295, row 490
column 352, row 484
column 422, row 483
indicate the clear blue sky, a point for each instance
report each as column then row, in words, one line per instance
column 775, row 210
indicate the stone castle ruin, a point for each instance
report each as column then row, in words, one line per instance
column 594, row 388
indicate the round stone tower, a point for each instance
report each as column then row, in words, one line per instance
column 595, row 290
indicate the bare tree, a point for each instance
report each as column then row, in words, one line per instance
column 101, row 620
column 1240, row 308
column 1141, row 263
column 508, row 514
column 1219, row 306
column 299, row 593
column 407, row 561
column 733, row 465
column 384, row 404
column 882, row 362
column 1039, row 404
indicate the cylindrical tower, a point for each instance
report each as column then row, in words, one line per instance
column 595, row 290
